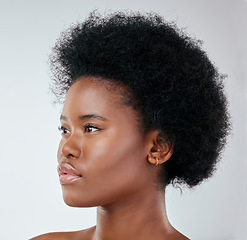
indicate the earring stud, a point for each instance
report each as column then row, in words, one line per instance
column 157, row 161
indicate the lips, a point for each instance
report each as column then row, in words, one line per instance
column 67, row 173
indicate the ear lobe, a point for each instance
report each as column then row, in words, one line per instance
column 160, row 152
column 159, row 157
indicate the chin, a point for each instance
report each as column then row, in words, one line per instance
column 76, row 201
column 79, row 205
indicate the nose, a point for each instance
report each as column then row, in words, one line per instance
column 70, row 147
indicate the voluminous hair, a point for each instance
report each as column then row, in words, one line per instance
column 174, row 86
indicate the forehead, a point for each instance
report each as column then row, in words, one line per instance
column 91, row 88
column 90, row 96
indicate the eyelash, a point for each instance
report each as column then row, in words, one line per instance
column 86, row 127
column 62, row 130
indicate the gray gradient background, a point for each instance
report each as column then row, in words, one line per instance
column 31, row 199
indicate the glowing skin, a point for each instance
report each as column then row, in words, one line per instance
column 112, row 166
column 102, row 141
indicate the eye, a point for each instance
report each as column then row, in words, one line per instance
column 63, row 130
column 90, row 128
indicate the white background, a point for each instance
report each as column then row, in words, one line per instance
column 31, row 201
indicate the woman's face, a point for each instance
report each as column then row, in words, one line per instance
column 102, row 154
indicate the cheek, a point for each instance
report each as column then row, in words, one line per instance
column 116, row 164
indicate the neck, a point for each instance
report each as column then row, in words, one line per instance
column 142, row 218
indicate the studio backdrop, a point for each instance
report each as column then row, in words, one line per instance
column 31, row 198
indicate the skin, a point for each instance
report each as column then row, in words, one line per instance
column 117, row 164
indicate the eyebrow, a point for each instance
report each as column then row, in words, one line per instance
column 86, row 116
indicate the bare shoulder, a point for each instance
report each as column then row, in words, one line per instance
column 178, row 236
column 82, row 235
column 175, row 235
column 55, row 236
column 45, row 236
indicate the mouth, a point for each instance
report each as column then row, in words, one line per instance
column 67, row 173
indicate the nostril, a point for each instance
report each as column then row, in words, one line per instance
column 71, row 149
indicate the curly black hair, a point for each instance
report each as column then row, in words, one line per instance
column 175, row 87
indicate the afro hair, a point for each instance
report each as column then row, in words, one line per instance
column 178, row 89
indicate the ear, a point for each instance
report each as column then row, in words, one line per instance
column 160, row 151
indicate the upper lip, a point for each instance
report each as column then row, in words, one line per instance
column 66, row 168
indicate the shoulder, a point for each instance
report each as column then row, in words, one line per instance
column 83, row 234
column 55, row 236
column 178, row 236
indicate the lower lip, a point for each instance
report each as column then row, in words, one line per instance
column 67, row 178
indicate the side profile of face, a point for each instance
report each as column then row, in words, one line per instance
column 102, row 147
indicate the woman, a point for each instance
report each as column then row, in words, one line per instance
column 144, row 108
